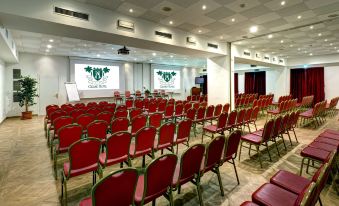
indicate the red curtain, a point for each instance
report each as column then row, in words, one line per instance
column 236, row 84
column 305, row 82
column 255, row 82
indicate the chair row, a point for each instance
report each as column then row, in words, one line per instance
column 283, row 98
column 284, row 106
column 272, row 131
column 316, row 115
column 306, row 102
column 194, row 98
column 266, row 96
column 263, row 103
column 162, row 176
column 244, row 101
column 243, row 95
column 332, row 106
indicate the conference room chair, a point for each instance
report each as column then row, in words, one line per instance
column 65, row 106
column 146, row 104
column 249, row 203
column 128, row 95
column 137, row 123
column 83, row 158
column 119, row 125
column 156, row 181
column 98, row 129
column 189, row 98
column 152, row 107
column 171, row 101
column 134, row 112
column 139, row 104
column 79, row 105
column 49, row 110
column 162, row 106
column 226, row 107
column 187, row 106
column 117, row 150
column 247, row 119
column 120, row 113
column 121, row 107
column 217, row 128
column 92, row 104
column 68, row 109
column 201, row 98
column 213, row 159
column 240, row 119
column 179, row 111
column 56, row 114
column 231, row 121
column 67, row 135
column 143, row 144
column 209, row 113
column 165, row 138
column 155, row 120
column 117, row 188
column 188, row 169
column 57, row 124
column 109, row 108
column 199, row 119
column 196, row 105
column 76, row 113
column 183, row 133
column 129, row 103
column 84, row 121
column 231, row 150
column 293, row 118
column 102, row 104
column 105, row 116
column 191, row 114
column 284, row 126
column 169, row 111
column 257, row 141
column 203, row 104
column 117, row 97
column 254, row 116
column 217, row 111
column 94, row 111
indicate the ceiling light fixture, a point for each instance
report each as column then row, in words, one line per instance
column 270, row 36
column 311, row 54
column 130, row 10
column 319, row 34
column 49, row 46
column 311, row 27
column 98, row 55
column 282, row 41
column 199, row 31
column 154, row 54
column 171, row 22
column 51, row 40
column 325, row 40
column 233, row 19
column 203, row 7
column 253, row 29
column 282, row 3
column 331, row 44
column 299, row 17
column 171, row 56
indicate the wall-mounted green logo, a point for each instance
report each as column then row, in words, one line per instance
column 166, row 76
column 97, row 73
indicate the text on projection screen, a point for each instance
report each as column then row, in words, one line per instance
column 166, row 79
column 96, row 77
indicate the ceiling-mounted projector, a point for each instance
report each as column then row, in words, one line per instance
column 123, row 51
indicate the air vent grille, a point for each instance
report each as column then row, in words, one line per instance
column 71, row 13
column 163, row 34
column 212, row 45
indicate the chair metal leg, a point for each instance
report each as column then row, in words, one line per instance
column 296, row 139
column 276, row 146
column 249, row 150
column 268, row 151
column 289, row 137
column 153, row 203
column 220, row 182
column 143, row 161
column 240, row 150
column 235, row 170
column 202, row 135
column 283, row 140
column 171, row 197
column 321, row 204
column 259, row 154
column 301, row 167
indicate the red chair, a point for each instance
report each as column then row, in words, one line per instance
column 117, row 97
column 240, row 119
column 218, row 128
column 144, row 144
column 189, row 98
column 179, row 111
column 57, row 124
column 254, row 116
column 169, row 111
column 94, row 111
column 139, row 104
column 253, row 139
column 162, row 106
column 65, row 107
column 231, row 150
column 84, row 121
column 217, row 111
column 191, row 114
column 119, row 125
column 109, row 108
column 128, row 95
column 79, row 105
column 106, row 190
column 137, row 123
column 92, row 104
column 121, row 114
column 155, row 120
column 249, row 203
column 138, row 94
column 105, row 116
column 183, row 133
column 247, row 119
column 209, row 113
column 189, row 169
column 129, row 103
column 156, row 181
column 284, row 127
column 134, row 112
column 76, row 113
column 226, row 107
column 213, row 158
column 165, row 138
column 231, row 121
column 83, row 158
column 67, row 135
column 103, row 103
column 98, row 129
column 49, row 110
column 68, row 109
column 196, row 105
column 187, row 107
column 117, row 150
column 152, row 108
column 121, row 107
column 56, row 114
column 199, row 119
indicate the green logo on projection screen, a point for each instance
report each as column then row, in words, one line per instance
column 97, row 78
column 166, row 79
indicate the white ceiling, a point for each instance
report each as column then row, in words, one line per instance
column 215, row 21
column 62, row 46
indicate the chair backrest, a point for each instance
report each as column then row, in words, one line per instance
column 62, row 121
column 129, row 103
column 85, row 119
column 105, row 116
column 214, row 153
column 117, row 188
column 76, row 113
column 226, row 107
column 79, row 105
column 119, row 125
column 231, row 145
column 240, row 116
column 139, row 104
column 277, row 126
column 248, row 114
column 117, row 146
column 284, row 122
column 268, row 129
column 162, row 106
column 166, row 134
column 187, row 106
column 66, row 106
column 191, row 114
column 121, row 107
column 222, row 120
column 231, row 120
column 152, row 107
column 69, row 134
column 209, row 111
column 158, row 177
column 190, row 163
column 196, row 105
column 103, row 103
column 217, row 110
column 200, row 113
column 50, row 111
column 121, row 114
column 56, row 114
column 138, row 122
column 169, row 110
column 127, row 94
column 97, row 129
column 84, row 153
column 144, row 139
column 68, row 109
column 179, row 109
column 94, row 110
column 184, row 129
column 110, row 108
column 91, row 104
column 255, row 113
column 155, row 120
column 134, row 112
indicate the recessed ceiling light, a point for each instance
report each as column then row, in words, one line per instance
column 253, row 29
column 298, row 49
column 47, row 50
column 51, row 40
column 130, row 10
column 270, row 36
column 319, row 34
column 282, row 3
column 170, row 22
column 151, row 60
column 282, row 41
column 311, row 54
column 135, row 59
column 233, row 19
column 311, row 27
column 221, row 37
column 325, row 40
column 331, row 44
column 203, row 7
column 98, row 55
column 335, row 47
column 291, row 45
column 49, row 46
column 199, row 31
column 154, row 54
column 299, row 17
column 171, row 56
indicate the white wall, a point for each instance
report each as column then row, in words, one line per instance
column 331, row 75
column 2, row 91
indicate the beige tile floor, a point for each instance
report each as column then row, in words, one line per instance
column 26, row 174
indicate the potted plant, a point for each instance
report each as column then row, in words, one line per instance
column 26, row 94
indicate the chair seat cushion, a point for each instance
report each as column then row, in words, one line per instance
column 324, row 146
column 270, row 194
column 307, row 114
column 252, row 138
column 329, row 135
column 315, row 153
column 178, row 141
column 161, row 146
column 332, row 131
column 327, row 141
column 102, row 159
column 76, row 172
column 258, row 132
column 249, row 203
column 212, row 128
column 86, row 202
column 61, row 149
column 289, row 181
column 274, row 111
